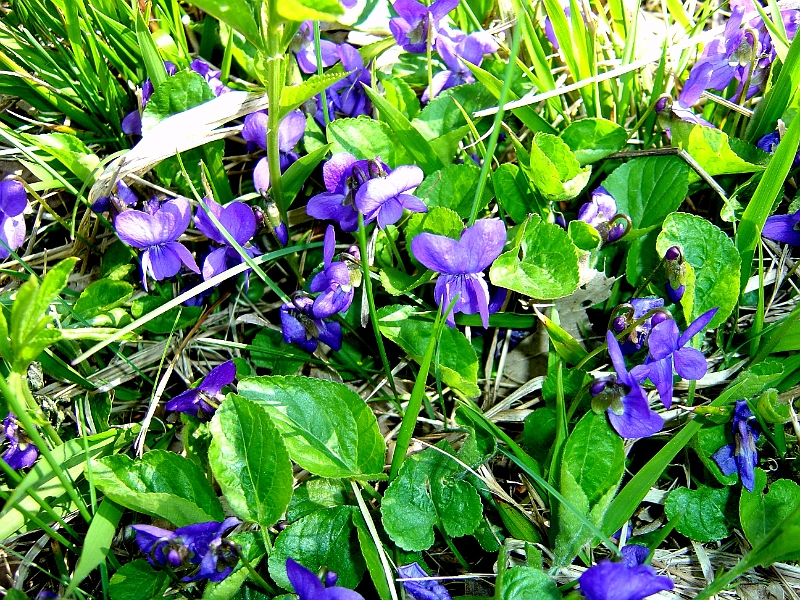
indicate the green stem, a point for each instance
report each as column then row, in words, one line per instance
column 275, row 62
column 373, row 313
column 257, row 579
column 428, row 47
column 323, row 95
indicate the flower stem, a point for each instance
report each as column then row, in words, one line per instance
column 256, row 578
column 323, row 95
column 376, row 539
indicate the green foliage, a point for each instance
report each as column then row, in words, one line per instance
column 707, row 441
column 713, row 150
column 453, row 187
column 365, row 138
column 271, row 352
column 346, row 443
column 519, row 583
column 160, row 484
column 101, row 297
column 761, row 512
column 411, row 330
column 429, row 493
column 250, row 462
column 513, row 192
column 542, row 262
column 316, row 494
column 593, row 139
column 706, row 512
column 302, row 10
column 294, row 96
column 555, row 172
column 182, row 91
column 173, row 320
column 137, row 580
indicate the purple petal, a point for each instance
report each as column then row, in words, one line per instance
column 484, row 242
column 21, row 456
column 441, row 8
column 663, row 339
column 341, row 593
column 136, row 228
column 219, row 377
column 351, row 59
column 725, row 459
column 615, row 352
column 184, row 255
column 697, row 326
column 333, row 300
column 215, row 263
column 163, row 262
column 475, row 45
column 329, row 245
column 634, row 554
column 336, row 169
column 443, row 80
column 637, row 419
column 291, row 130
column 783, row 228
column 12, row 232
column 411, row 10
column 388, row 213
column 132, row 123
column 261, row 180
column 13, row 199
column 255, row 129
column 330, row 334
column 328, row 206
column 661, row 376
column 698, row 81
column 690, row 363
column 617, row 581
column 294, row 332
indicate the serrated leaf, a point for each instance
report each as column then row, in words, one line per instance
column 555, row 172
column 182, row 91
column 250, row 462
column 594, row 139
column 137, row 580
column 411, row 330
column 543, row 263
column 160, row 484
column 648, row 189
column 713, row 259
column 453, row 187
column 711, row 148
column 522, row 583
column 102, row 296
column 760, row 513
column 429, row 491
column 705, row 512
column 325, row 538
column 366, row 138
column 327, row 428
column 293, row 96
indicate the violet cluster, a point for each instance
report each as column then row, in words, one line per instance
column 21, row 452
column 290, row 132
column 202, row 547
column 202, row 401
column 13, row 202
column 742, row 455
column 630, row 579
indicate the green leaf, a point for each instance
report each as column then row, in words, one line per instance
column 366, row 138
column 594, row 139
column 372, row 558
column 102, row 296
column 438, row 220
column 555, row 171
column 317, row 494
column 714, row 260
column 513, row 192
column 648, row 189
column 707, row 441
column 772, row 409
column 153, row 63
column 325, row 538
column 759, row 513
column 400, row 95
column 442, row 116
column 778, row 97
column 327, row 428
column 591, row 470
column 137, row 580
column 295, row 95
column 317, row 10
column 539, row 432
column 70, row 151
column 706, row 512
column 542, row 264
column 182, row 91
column 411, row 330
column 97, row 543
column 269, row 351
column 711, row 148
column 299, row 171
column 522, row 583
column 584, row 236
column 453, row 187
column 160, row 484
column 412, row 140
column 250, row 462
column 429, row 491
column 236, row 13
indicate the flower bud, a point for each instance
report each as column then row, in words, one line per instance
column 676, row 274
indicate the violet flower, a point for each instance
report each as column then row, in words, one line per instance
column 156, row 233
column 119, row 200
column 333, row 282
column 300, row 326
column 471, row 48
column 667, row 347
column 626, row 580
column 410, row 27
column 742, row 455
column 461, row 264
column 600, row 213
column 13, row 202
column 239, row 221
column 669, row 111
column 132, row 122
column 549, row 32
column 427, row 589
column 343, row 175
column 676, row 274
column 211, row 75
column 781, row 228
column 200, row 544
column 637, row 337
column 303, row 47
column 201, row 402
column 383, row 198
column 769, row 143
column 346, row 97
column 21, row 452
column 307, row 585
column 623, row 398
column 290, row 132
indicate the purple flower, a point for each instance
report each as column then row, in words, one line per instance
column 782, row 228
column 306, row 53
column 410, row 28
column 626, row 580
column 667, row 346
column 123, row 198
column 623, row 398
column 300, row 326
column 677, row 110
column 211, row 75
column 427, row 589
column 599, row 212
column 239, row 221
column 21, row 452
column 346, row 97
column 549, row 32
column 13, row 202
column 132, row 122
column 291, row 129
column 742, row 455
column 461, row 264
column 202, row 401
column 637, row 337
column 308, row 586
column 343, row 176
column 769, row 143
column 471, row 48
column 199, row 544
column 384, row 198
column 156, row 233
column 333, row 282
